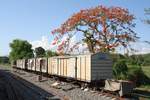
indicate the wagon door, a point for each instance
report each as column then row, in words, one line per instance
column 43, row 65
column 26, row 64
column 72, row 70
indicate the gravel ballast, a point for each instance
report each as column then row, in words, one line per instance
column 64, row 90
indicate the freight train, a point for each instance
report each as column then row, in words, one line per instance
column 85, row 67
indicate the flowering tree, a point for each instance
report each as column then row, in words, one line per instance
column 103, row 29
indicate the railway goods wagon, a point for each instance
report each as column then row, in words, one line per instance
column 61, row 66
column 93, row 67
column 21, row 63
column 41, row 65
column 87, row 67
column 31, row 64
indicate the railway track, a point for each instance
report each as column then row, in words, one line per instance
column 107, row 95
column 19, row 89
column 34, row 94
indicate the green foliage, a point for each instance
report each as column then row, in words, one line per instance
column 136, row 60
column 117, row 57
column 20, row 49
column 120, row 70
column 4, row 60
column 146, row 59
column 50, row 53
column 146, row 70
column 141, row 60
column 129, row 68
column 39, row 52
column 137, row 75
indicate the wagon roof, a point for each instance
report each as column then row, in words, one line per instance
column 75, row 55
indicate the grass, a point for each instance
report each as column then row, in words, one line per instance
column 146, row 70
column 5, row 66
column 146, row 87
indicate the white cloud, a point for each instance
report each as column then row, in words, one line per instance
column 81, row 48
column 44, row 43
column 141, row 47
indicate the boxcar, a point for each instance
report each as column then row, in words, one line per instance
column 93, row 67
column 87, row 67
column 41, row 65
column 61, row 66
column 21, row 63
column 31, row 64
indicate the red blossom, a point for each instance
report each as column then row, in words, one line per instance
column 110, row 19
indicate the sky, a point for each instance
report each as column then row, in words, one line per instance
column 33, row 20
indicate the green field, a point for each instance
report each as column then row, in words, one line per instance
column 146, row 70
column 144, row 90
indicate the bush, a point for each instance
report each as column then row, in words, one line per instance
column 120, row 70
column 4, row 60
column 137, row 75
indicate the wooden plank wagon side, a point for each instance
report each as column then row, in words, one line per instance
column 87, row 67
column 41, row 65
column 31, row 64
column 24, row 64
column 84, row 68
column 62, row 66
column 52, row 66
column 21, row 63
column 94, row 67
column 66, row 66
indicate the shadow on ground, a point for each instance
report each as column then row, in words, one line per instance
column 43, row 95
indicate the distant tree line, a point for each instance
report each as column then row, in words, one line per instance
column 4, row 60
column 22, row 49
column 139, row 59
